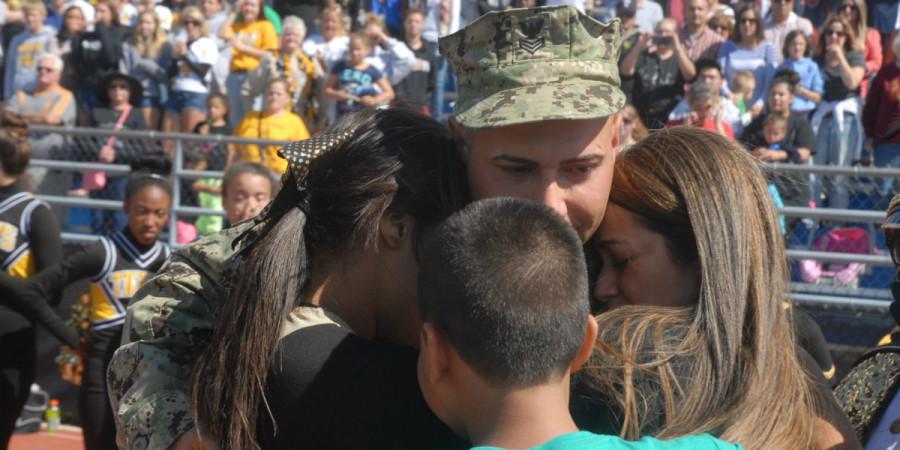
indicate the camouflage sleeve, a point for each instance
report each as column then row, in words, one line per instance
column 168, row 325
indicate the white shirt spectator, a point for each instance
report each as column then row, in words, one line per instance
column 775, row 34
column 201, row 51
column 395, row 60
column 329, row 52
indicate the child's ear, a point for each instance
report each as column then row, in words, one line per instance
column 587, row 345
column 433, row 354
column 395, row 229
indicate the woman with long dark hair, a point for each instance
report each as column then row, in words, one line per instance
column 316, row 335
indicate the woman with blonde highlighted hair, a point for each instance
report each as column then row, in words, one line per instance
column 147, row 58
column 696, row 339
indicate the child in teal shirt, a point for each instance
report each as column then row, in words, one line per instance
column 503, row 294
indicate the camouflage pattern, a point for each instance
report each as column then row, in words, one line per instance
column 529, row 65
column 168, row 325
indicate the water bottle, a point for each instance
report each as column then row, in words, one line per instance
column 53, row 416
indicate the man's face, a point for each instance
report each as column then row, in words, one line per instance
column 696, row 11
column 781, row 9
column 711, row 77
column 47, row 75
column 702, row 108
column 413, row 25
column 564, row 164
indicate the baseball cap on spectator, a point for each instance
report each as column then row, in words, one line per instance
column 536, row 64
column 136, row 91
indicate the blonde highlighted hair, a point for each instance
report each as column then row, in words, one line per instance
column 150, row 47
column 711, row 367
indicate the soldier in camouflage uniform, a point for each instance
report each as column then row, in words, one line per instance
column 536, row 115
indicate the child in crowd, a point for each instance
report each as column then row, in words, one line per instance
column 808, row 92
column 503, row 292
column 246, row 189
column 742, row 86
column 354, row 83
column 775, row 131
column 216, row 123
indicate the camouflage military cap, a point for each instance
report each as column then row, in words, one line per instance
column 534, row 64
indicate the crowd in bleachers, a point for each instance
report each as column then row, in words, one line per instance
column 794, row 80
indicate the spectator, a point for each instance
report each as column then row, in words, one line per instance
column 809, row 90
column 355, row 84
column 215, row 13
column 699, row 40
column 166, row 18
column 329, row 46
column 276, row 122
column 247, row 188
column 630, row 36
column 885, row 15
column 742, row 86
column 73, row 24
column 867, row 39
column 799, row 143
column 249, row 39
column 781, row 21
column 119, row 100
column 87, row 9
column 194, row 58
column 48, row 104
column 392, row 57
column 705, row 110
column 880, row 114
column 100, row 50
column 647, row 14
column 661, row 66
column 416, row 88
column 216, row 124
column 709, row 72
column 298, row 68
column 21, row 56
column 723, row 25
column 148, row 58
column 631, row 130
column 748, row 51
column 839, row 133
column 392, row 13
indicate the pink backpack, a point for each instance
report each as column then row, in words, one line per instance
column 839, row 240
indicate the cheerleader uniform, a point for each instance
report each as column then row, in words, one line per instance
column 117, row 266
column 29, row 242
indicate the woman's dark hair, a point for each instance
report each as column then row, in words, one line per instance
column 786, row 48
column 739, row 11
column 788, row 77
column 395, row 161
column 239, row 168
column 150, row 169
column 15, row 153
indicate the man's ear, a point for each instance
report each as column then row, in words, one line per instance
column 461, row 136
column 433, row 353
column 614, row 122
column 587, row 345
column 395, row 229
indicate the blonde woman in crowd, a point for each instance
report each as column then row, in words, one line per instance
column 147, row 58
column 250, row 39
column 696, row 339
column 194, row 59
column 868, row 40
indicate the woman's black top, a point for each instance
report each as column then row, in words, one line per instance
column 97, row 53
column 331, row 389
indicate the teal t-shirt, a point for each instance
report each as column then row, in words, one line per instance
column 584, row 440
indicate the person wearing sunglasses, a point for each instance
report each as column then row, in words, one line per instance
column 749, row 51
column 867, row 39
column 836, row 122
column 48, row 103
column 194, row 58
column 869, row 393
column 781, row 21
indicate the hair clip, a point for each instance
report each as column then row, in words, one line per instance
column 299, row 154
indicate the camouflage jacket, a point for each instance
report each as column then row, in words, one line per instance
column 168, row 325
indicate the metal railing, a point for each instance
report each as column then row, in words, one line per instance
column 863, row 298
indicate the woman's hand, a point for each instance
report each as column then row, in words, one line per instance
column 835, row 52
column 107, row 154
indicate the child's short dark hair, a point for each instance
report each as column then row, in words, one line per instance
column 505, row 281
column 239, row 168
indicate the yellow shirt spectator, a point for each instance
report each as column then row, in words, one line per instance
column 259, row 34
column 284, row 126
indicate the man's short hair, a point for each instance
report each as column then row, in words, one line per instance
column 55, row 61
column 700, row 91
column 505, row 281
column 706, row 63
